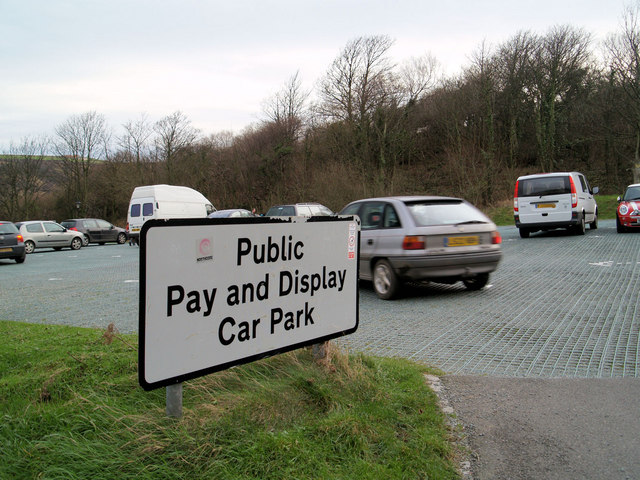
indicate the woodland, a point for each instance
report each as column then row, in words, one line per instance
column 555, row 101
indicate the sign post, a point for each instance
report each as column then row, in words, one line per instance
column 215, row 293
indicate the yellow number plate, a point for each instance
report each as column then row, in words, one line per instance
column 461, row 241
column 5, row 249
column 546, row 205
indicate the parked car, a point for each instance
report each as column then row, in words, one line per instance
column 11, row 242
column 548, row 201
column 231, row 213
column 424, row 238
column 96, row 230
column 299, row 210
column 628, row 211
column 48, row 234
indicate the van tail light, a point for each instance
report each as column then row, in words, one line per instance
column 515, row 198
column 20, row 238
column 574, row 194
column 413, row 243
column 127, row 227
column 496, row 238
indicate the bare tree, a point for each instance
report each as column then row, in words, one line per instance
column 417, row 76
column 286, row 108
column 513, row 64
column 356, row 82
column 135, row 139
column 81, row 139
column 21, row 178
column 174, row 132
column 623, row 51
column 560, row 65
column 135, row 143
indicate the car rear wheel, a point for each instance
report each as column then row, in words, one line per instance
column 76, row 243
column 580, row 228
column 85, row 241
column 385, row 281
column 524, row 233
column 122, row 237
column 29, row 246
column 594, row 225
column 477, row 282
column 19, row 259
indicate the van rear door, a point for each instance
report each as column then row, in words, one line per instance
column 544, row 199
column 140, row 210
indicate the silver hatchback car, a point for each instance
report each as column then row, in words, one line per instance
column 424, row 238
column 48, row 234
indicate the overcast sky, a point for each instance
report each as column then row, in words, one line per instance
column 218, row 61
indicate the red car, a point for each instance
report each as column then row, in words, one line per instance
column 628, row 214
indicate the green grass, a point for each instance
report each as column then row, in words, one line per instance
column 72, row 409
column 502, row 215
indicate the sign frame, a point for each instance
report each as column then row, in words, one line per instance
column 142, row 315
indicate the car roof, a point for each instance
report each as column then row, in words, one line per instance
column 633, row 185
column 408, row 198
column 36, row 221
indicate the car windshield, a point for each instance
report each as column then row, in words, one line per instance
column 444, row 212
column 632, row 193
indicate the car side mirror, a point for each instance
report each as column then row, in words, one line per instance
column 595, row 190
column 619, row 199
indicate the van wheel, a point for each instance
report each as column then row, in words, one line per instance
column 524, row 233
column 580, row 228
column 385, row 281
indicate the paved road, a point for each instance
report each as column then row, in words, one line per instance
column 542, row 365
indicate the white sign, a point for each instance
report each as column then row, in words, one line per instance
column 216, row 293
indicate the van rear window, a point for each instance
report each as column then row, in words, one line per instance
column 135, row 210
column 530, row 187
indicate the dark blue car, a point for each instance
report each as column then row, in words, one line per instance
column 11, row 242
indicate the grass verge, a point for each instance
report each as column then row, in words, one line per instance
column 72, row 409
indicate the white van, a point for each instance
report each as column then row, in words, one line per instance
column 554, row 200
column 164, row 202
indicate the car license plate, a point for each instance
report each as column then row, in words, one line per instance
column 461, row 241
column 2, row 250
column 545, row 205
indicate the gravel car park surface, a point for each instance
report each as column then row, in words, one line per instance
column 559, row 305
column 542, row 364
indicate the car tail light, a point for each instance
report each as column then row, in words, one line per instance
column 574, row 194
column 496, row 238
column 73, row 228
column 413, row 243
column 20, row 238
column 515, row 198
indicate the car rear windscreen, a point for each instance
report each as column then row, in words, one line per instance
column 532, row 187
column 447, row 212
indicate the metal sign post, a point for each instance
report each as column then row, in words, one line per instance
column 174, row 400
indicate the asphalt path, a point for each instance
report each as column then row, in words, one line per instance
column 540, row 367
